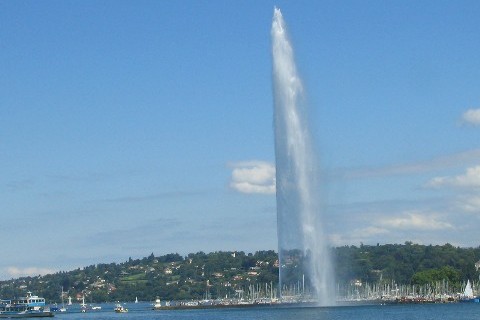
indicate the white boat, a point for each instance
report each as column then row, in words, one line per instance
column 157, row 305
column 83, row 305
column 62, row 309
column 468, row 295
column 468, row 292
column 25, row 307
column 136, row 299
column 120, row 309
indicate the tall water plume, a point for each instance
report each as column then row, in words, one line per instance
column 303, row 251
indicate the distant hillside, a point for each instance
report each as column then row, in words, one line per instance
column 220, row 274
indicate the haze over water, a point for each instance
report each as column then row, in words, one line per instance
column 299, row 221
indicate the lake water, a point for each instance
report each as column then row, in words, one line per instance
column 456, row 311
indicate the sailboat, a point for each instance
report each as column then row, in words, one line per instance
column 63, row 309
column 83, row 305
column 136, row 299
column 468, row 292
column 467, row 295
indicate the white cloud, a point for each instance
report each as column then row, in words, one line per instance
column 464, row 158
column 337, row 239
column 471, row 178
column 416, row 221
column 369, row 231
column 360, row 235
column 253, row 177
column 469, row 204
column 472, row 116
column 16, row 272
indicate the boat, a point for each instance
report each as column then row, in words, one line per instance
column 120, row 309
column 62, row 309
column 136, row 299
column 157, row 305
column 30, row 306
column 468, row 295
column 83, row 306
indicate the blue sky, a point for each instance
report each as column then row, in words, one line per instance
column 132, row 127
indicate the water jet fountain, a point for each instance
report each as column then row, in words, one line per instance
column 303, row 252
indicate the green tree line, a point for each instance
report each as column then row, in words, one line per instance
column 224, row 274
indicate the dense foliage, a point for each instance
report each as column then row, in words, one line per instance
column 226, row 274
column 407, row 264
